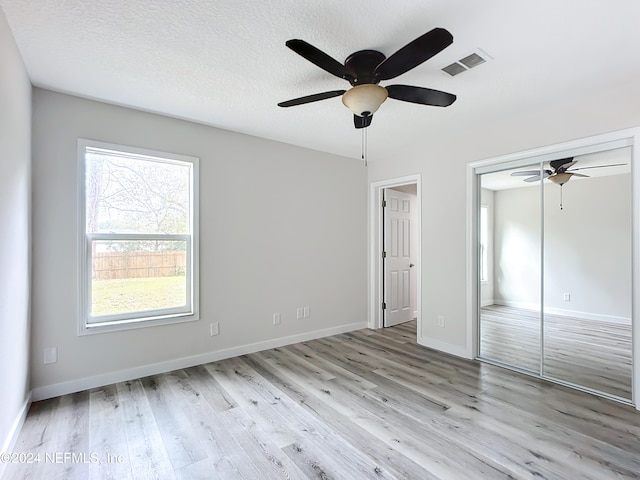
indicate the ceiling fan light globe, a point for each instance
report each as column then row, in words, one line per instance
column 560, row 178
column 364, row 100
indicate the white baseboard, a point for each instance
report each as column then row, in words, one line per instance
column 16, row 427
column 523, row 305
column 589, row 316
column 86, row 383
column 445, row 347
column 568, row 313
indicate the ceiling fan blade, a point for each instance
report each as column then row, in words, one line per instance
column 562, row 162
column 318, row 57
column 566, row 166
column 578, row 174
column 423, row 96
column 311, row 98
column 414, row 53
column 535, row 178
column 525, row 173
column 600, row 166
column 362, row 122
column 546, row 173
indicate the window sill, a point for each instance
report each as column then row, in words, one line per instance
column 121, row 325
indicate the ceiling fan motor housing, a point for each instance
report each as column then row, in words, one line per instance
column 360, row 67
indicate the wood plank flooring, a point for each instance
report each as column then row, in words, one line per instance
column 590, row 353
column 363, row 405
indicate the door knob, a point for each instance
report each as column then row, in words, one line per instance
column 411, row 265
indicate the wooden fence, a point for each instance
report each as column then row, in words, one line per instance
column 117, row 265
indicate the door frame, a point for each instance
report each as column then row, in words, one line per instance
column 628, row 137
column 376, row 240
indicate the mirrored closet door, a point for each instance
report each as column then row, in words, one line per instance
column 510, row 270
column 555, row 270
column 587, row 274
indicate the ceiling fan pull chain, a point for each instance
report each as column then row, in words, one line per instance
column 560, row 196
column 364, row 146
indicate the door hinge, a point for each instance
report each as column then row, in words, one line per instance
column 384, row 254
column 384, row 306
column 384, row 203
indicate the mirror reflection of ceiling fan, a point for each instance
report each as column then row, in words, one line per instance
column 560, row 172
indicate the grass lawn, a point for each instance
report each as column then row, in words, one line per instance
column 137, row 294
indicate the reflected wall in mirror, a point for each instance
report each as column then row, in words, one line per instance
column 587, row 275
column 571, row 234
column 510, row 289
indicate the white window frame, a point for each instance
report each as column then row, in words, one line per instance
column 110, row 323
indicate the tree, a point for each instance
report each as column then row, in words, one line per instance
column 130, row 194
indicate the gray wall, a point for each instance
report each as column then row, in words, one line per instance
column 280, row 227
column 15, row 237
column 587, row 248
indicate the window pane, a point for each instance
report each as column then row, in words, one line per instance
column 134, row 194
column 133, row 276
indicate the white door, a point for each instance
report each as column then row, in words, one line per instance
column 399, row 268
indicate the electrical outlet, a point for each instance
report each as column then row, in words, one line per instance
column 441, row 321
column 567, row 297
column 305, row 312
column 214, row 328
column 277, row 318
column 300, row 313
column 50, row 355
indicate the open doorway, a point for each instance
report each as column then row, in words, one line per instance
column 395, row 252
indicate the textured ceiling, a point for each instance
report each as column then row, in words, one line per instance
column 224, row 63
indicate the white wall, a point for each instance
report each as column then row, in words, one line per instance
column 517, row 247
column 280, row 227
column 15, row 236
column 587, row 248
column 444, row 154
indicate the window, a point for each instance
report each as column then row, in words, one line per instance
column 484, row 236
column 138, row 245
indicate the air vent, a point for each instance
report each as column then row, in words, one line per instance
column 454, row 69
column 472, row 60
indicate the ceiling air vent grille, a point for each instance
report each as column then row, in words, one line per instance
column 466, row 63
column 454, row 69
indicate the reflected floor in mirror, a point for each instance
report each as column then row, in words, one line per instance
column 593, row 354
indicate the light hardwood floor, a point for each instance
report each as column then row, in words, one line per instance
column 362, row 405
column 589, row 353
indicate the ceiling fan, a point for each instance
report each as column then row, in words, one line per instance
column 559, row 173
column 364, row 69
